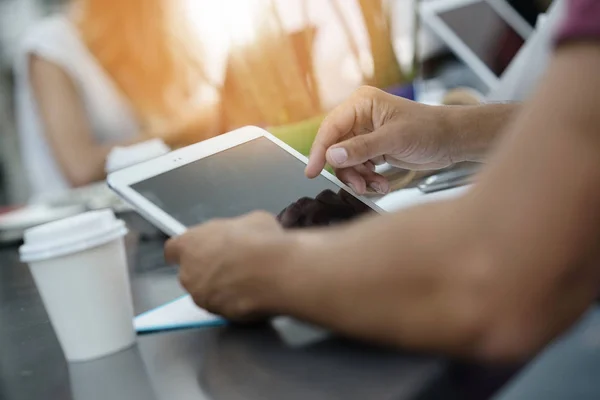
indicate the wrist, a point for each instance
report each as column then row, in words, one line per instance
column 475, row 129
column 296, row 280
column 455, row 121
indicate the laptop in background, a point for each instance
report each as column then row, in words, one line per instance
column 485, row 34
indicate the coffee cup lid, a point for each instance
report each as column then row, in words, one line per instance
column 71, row 235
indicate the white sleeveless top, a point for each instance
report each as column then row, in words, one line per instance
column 111, row 117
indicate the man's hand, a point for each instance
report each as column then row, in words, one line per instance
column 373, row 127
column 230, row 266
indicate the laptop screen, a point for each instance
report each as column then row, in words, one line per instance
column 486, row 33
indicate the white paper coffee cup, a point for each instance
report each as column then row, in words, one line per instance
column 80, row 269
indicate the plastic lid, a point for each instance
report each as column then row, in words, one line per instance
column 71, row 235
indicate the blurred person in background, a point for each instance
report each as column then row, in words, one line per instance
column 496, row 274
column 102, row 74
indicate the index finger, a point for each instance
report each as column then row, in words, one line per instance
column 335, row 126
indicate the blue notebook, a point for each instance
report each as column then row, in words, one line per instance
column 180, row 313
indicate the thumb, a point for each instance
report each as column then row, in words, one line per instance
column 359, row 149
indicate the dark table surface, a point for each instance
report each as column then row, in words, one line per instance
column 211, row 363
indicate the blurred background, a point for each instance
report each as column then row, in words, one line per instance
column 278, row 64
column 16, row 17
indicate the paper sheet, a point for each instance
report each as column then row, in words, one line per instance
column 181, row 313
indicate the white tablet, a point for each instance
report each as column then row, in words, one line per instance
column 477, row 31
column 230, row 175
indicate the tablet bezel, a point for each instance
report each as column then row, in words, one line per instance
column 122, row 180
column 430, row 13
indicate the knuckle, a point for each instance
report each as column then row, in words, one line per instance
column 212, row 302
column 260, row 216
column 241, row 308
column 172, row 250
column 264, row 215
column 366, row 91
column 342, row 173
column 184, row 278
column 200, row 302
column 347, row 174
column 182, row 242
column 212, row 225
column 169, row 249
column 258, row 213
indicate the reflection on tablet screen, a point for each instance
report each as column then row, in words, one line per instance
column 327, row 208
column 256, row 175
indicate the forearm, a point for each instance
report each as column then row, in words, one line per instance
column 407, row 282
column 65, row 124
column 495, row 274
column 539, row 203
column 478, row 128
column 86, row 164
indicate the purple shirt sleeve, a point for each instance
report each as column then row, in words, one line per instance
column 582, row 21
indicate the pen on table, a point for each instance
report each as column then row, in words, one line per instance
column 448, row 180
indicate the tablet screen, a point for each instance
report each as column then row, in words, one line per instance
column 256, row 175
column 486, row 33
